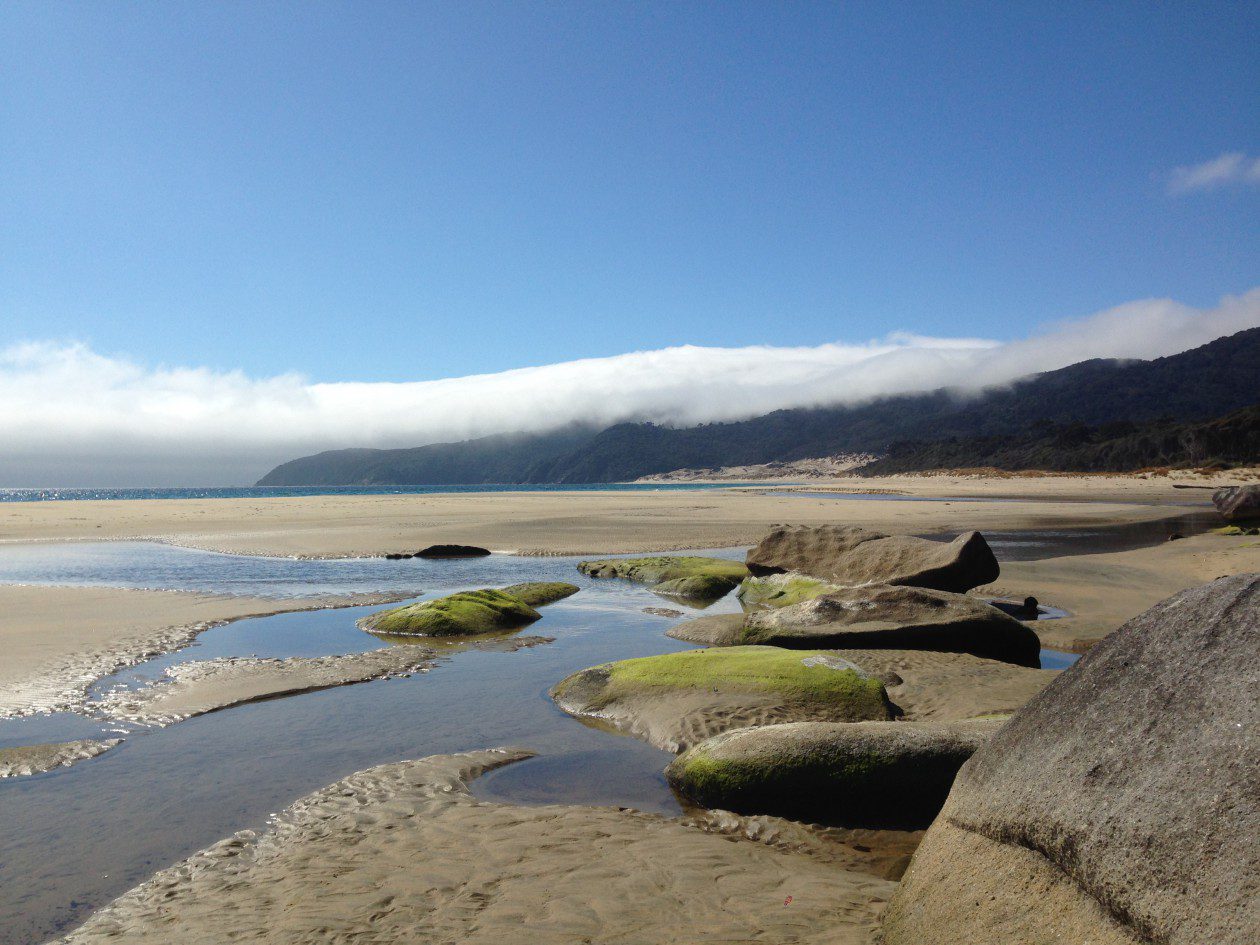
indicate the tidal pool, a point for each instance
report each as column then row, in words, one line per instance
column 73, row 839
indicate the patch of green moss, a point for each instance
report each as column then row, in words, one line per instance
column 661, row 568
column 781, row 590
column 703, row 587
column 704, row 776
column 541, row 593
column 794, row 675
column 1233, row 530
column 465, row 614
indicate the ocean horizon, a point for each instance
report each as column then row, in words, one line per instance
column 48, row 494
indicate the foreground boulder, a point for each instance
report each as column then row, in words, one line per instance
column 679, row 699
column 452, row 551
column 541, row 593
column 468, row 613
column 1120, row 805
column 869, row 774
column 883, row 616
column 1238, row 503
column 693, row 577
column 848, row 555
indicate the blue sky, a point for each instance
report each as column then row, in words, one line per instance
column 392, row 192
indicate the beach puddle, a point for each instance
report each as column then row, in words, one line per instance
column 75, row 838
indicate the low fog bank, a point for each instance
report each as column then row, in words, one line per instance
column 72, row 417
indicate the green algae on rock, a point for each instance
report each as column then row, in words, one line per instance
column 541, row 593
column 658, row 568
column 781, row 590
column 685, row 576
column 467, row 613
column 701, row 587
column 678, row 699
column 865, row 774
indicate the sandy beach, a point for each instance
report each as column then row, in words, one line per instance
column 595, row 523
column 574, row 873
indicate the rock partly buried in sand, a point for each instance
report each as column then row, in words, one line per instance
column 865, row 774
column 848, row 555
column 1238, row 503
column 465, row 614
column 1119, row 806
column 714, row 630
column 541, row 593
column 883, row 616
column 452, row 551
column 691, row 577
column 679, row 699
column 23, row 760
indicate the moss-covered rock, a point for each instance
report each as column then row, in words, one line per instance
column 468, row 613
column 781, row 590
column 870, row 774
column 661, row 568
column 678, row 699
column 541, row 593
column 705, row 587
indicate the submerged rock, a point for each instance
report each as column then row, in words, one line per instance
column 541, row 593
column 678, row 699
column 884, row 616
column 452, row 551
column 465, row 614
column 848, row 555
column 865, row 774
column 1119, row 805
column 1238, row 503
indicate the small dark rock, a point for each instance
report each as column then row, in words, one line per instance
column 1176, row 536
column 452, row 551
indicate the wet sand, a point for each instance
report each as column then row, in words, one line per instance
column 402, row 852
column 590, row 523
column 26, row 760
column 1102, row 591
column 57, row 641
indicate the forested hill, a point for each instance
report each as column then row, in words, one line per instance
column 1197, row 385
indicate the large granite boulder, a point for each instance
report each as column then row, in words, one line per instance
column 889, row 617
column 468, row 613
column 865, row 774
column 678, row 699
column 1121, row 805
column 847, row 555
column 1238, row 503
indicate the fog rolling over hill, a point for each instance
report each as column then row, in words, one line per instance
column 1197, row 385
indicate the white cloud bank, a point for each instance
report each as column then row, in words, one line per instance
column 70, row 416
column 1229, row 169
